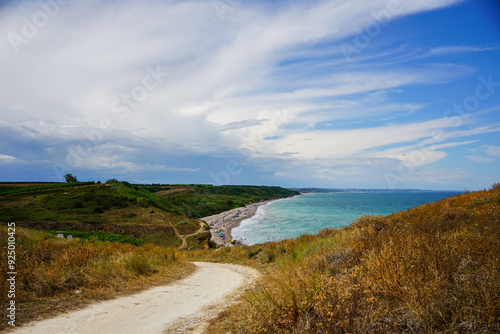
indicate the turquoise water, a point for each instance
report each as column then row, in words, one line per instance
column 307, row 214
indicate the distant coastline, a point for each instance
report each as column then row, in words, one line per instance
column 375, row 191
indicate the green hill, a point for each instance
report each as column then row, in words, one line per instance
column 143, row 213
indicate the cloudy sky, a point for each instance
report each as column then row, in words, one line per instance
column 327, row 93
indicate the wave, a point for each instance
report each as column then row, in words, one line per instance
column 245, row 225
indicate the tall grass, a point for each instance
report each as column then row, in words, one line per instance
column 50, row 268
column 432, row 269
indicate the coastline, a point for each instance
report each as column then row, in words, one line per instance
column 227, row 220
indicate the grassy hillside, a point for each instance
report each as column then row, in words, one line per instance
column 119, row 208
column 431, row 269
column 114, row 226
column 196, row 201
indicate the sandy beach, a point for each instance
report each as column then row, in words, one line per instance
column 228, row 220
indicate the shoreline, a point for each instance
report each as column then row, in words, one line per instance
column 227, row 220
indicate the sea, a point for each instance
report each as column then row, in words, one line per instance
column 311, row 212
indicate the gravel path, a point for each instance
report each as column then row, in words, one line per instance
column 182, row 307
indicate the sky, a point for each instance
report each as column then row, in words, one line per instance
column 330, row 93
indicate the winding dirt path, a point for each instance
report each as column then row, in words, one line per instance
column 184, row 237
column 182, row 307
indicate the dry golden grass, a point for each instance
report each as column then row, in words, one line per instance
column 432, row 269
column 55, row 275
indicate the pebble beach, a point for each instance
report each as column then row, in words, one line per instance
column 225, row 221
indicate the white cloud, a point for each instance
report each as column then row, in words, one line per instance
column 492, row 150
column 343, row 143
column 457, row 49
column 228, row 88
column 424, row 152
column 7, row 158
column 479, row 158
column 208, row 59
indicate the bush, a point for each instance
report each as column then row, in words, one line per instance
column 143, row 202
column 98, row 209
column 139, row 264
column 252, row 253
column 103, row 236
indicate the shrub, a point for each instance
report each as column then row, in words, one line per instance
column 139, row 264
column 143, row 202
column 252, row 253
column 98, row 209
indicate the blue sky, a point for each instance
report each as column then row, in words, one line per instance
column 343, row 94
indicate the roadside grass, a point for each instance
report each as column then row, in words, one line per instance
column 431, row 269
column 55, row 275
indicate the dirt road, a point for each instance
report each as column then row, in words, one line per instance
column 182, row 307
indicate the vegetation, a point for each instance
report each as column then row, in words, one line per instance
column 119, row 208
column 7, row 188
column 70, row 178
column 197, row 201
column 114, row 226
column 431, row 269
column 102, row 236
column 59, row 274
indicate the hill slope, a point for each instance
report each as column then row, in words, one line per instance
column 431, row 269
column 119, row 208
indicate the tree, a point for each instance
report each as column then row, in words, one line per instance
column 70, row 178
